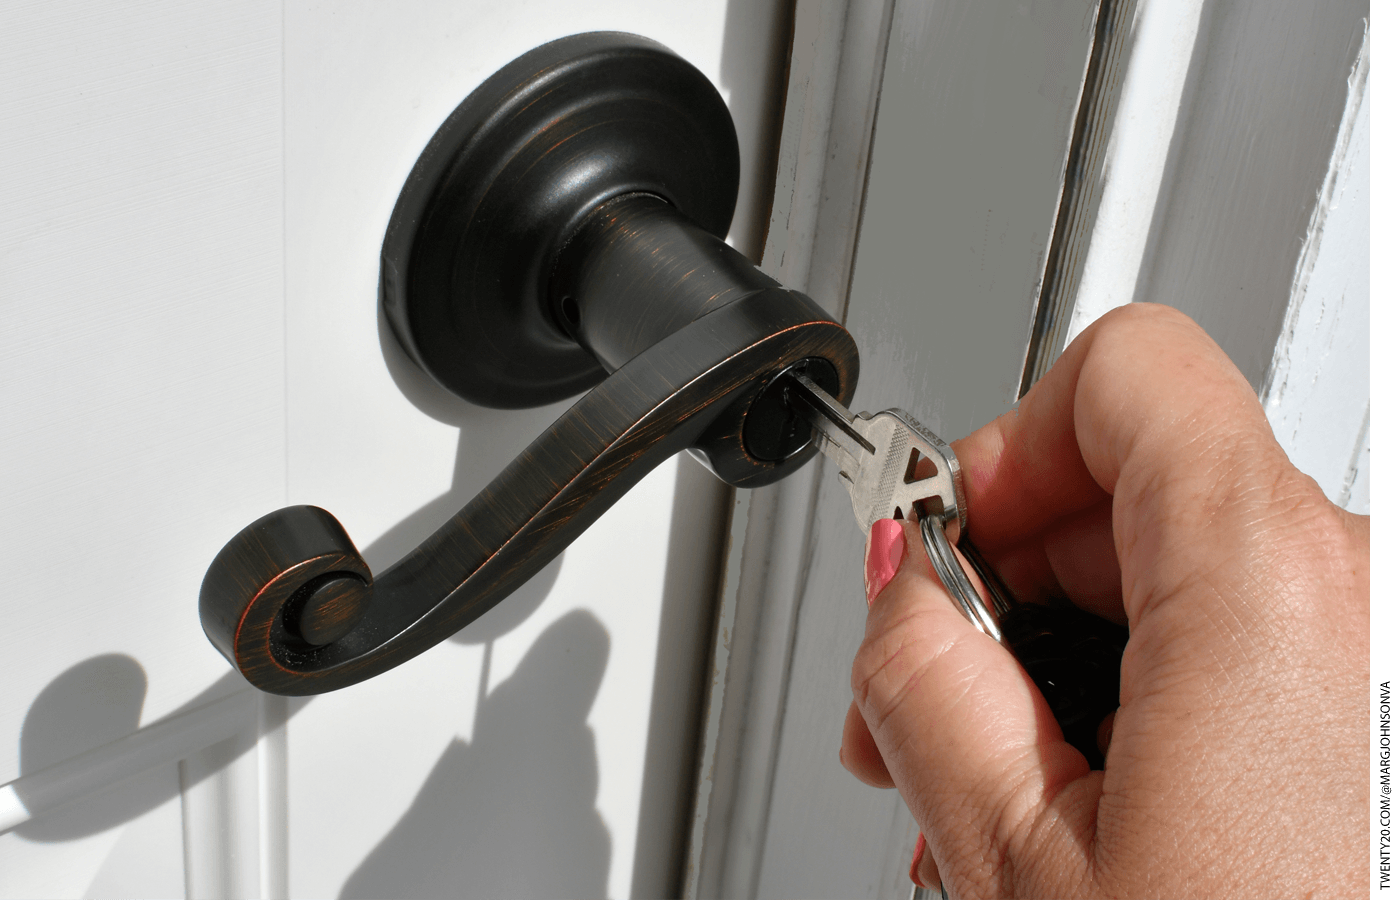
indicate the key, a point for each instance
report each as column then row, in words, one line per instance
column 878, row 457
column 1071, row 655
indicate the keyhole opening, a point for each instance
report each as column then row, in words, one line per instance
column 569, row 307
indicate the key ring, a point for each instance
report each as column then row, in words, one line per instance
column 956, row 582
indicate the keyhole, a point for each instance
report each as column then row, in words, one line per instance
column 569, row 306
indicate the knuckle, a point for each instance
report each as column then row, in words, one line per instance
column 1136, row 317
column 892, row 663
column 1152, row 315
column 885, row 663
column 1143, row 336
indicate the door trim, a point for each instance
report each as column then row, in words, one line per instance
column 833, row 89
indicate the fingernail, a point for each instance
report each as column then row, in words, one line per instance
column 884, row 551
column 914, row 864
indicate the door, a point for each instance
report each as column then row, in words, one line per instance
column 194, row 198
column 1021, row 168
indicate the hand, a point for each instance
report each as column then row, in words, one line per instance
column 1141, row 480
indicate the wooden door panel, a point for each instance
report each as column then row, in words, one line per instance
column 1248, row 158
column 125, row 841
column 977, row 103
column 964, row 180
column 191, row 269
column 544, row 750
column 976, row 111
column 141, row 389
column 976, row 115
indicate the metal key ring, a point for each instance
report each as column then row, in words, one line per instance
column 955, row 580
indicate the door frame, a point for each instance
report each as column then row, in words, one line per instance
column 1161, row 112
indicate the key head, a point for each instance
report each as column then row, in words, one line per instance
column 895, row 482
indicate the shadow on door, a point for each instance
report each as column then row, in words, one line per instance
column 93, row 703
column 513, row 811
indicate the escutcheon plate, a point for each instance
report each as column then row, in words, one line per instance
column 508, row 178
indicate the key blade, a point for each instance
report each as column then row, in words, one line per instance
column 831, row 424
column 824, row 411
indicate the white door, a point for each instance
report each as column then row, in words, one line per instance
column 1054, row 157
column 191, row 205
column 192, row 200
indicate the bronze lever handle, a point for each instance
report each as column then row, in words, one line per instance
column 560, row 227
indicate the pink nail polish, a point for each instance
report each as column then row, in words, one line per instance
column 884, row 552
column 914, row 864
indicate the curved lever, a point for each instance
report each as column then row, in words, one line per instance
column 657, row 404
column 692, row 335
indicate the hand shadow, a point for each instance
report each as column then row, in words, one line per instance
column 512, row 813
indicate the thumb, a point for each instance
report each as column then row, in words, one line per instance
column 1007, row 807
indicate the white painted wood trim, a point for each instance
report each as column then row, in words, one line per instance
column 272, row 792
column 1082, row 187
column 715, row 693
column 161, row 743
column 233, row 801
column 833, row 95
column 1160, row 57
column 1317, row 394
column 818, row 29
column 1253, row 140
column 833, row 86
column 219, row 811
column 776, row 538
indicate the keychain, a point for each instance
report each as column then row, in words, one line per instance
column 1072, row 656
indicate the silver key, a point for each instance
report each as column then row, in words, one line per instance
column 877, row 456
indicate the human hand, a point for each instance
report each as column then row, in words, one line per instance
column 1140, row 479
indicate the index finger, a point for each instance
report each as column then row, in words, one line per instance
column 1064, row 449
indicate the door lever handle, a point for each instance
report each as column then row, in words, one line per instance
column 561, row 230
